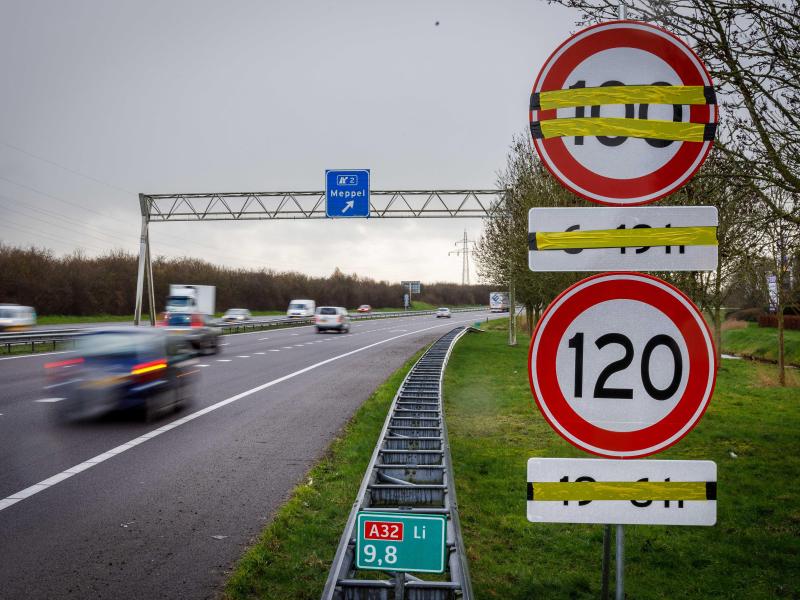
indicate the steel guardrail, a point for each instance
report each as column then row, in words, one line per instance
column 54, row 336
column 410, row 472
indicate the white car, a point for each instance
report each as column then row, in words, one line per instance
column 443, row 312
column 332, row 317
column 233, row 315
column 301, row 308
column 14, row 316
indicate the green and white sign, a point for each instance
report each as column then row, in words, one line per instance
column 397, row 542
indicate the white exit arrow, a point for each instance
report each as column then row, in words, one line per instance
column 349, row 204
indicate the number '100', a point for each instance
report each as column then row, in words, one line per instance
column 580, row 112
column 576, row 342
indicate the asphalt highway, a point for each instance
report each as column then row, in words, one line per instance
column 117, row 508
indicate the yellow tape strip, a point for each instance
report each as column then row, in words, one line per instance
column 615, row 126
column 628, row 94
column 620, row 490
column 627, row 238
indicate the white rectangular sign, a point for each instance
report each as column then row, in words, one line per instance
column 623, row 492
column 657, row 258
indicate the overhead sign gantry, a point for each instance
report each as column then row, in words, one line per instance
column 269, row 206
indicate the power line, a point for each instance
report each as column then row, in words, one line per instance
column 464, row 252
column 69, row 170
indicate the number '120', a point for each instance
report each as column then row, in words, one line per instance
column 601, row 390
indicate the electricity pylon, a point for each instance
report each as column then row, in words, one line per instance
column 464, row 252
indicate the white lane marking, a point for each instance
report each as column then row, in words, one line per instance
column 87, row 464
column 298, row 345
column 202, row 365
column 37, row 354
column 276, row 330
column 287, row 347
column 274, row 350
column 223, row 360
column 49, row 400
column 225, row 344
column 262, row 339
column 243, row 356
column 259, row 352
column 294, row 334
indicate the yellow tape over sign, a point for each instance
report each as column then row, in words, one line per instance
column 625, row 94
column 626, row 238
column 636, row 128
column 623, row 490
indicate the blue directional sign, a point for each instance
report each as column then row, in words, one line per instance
column 347, row 193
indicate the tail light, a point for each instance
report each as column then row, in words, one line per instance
column 149, row 369
column 63, row 363
column 317, row 319
column 197, row 321
column 340, row 319
column 162, row 322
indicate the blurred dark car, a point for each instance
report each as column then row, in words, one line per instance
column 120, row 369
column 196, row 328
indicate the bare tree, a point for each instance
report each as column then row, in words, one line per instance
column 737, row 234
column 752, row 51
column 502, row 251
column 781, row 242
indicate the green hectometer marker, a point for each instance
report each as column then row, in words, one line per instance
column 397, row 542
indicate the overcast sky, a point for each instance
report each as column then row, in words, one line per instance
column 105, row 99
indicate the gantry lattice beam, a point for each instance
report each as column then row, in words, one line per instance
column 260, row 206
column 255, row 206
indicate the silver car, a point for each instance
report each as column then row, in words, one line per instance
column 332, row 317
column 236, row 315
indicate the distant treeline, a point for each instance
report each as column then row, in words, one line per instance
column 77, row 285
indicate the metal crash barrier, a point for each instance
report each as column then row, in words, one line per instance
column 49, row 338
column 409, row 475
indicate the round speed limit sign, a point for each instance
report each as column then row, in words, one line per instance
column 622, row 365
column 623, row 113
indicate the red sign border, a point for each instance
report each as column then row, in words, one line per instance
column 685, row 155
column 632, row 442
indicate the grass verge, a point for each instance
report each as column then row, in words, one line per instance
column 761, row 343
column 752, row 552
column 292, row 557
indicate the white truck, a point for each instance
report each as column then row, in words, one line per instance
column 301, row 308
column 191, row 298
column 498, row 301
